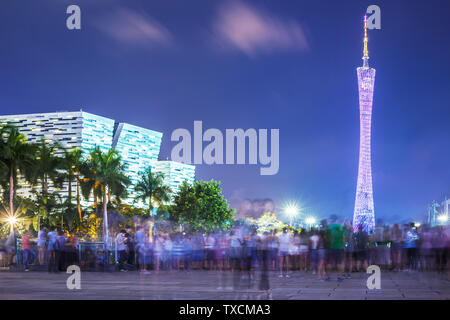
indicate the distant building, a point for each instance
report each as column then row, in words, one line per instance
column 137, row 146
column 438, row 213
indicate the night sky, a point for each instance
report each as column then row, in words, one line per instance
column 255, row 64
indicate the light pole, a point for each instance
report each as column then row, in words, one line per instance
column 443, row 218
column 310, row 221
column 291, row 210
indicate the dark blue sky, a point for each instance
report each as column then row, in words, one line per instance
column 253, row 64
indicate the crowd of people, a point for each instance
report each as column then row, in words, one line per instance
column 54, row 248
column 332, row 248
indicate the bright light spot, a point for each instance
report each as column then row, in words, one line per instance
column 310, row 220
column 291, row 209
column 12, row 220
column 417, row 224
column 443, row 218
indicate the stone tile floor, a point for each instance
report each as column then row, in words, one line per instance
column 203, row 285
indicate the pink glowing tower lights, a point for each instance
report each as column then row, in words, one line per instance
column 364, row 210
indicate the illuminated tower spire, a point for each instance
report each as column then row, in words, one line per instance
column 364, row 209
column 366, row 51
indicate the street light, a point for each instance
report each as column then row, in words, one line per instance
column 443, row 218
column 11, row 219
column 310, row 221
column 291, row 210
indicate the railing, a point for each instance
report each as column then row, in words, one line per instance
column 85, row 254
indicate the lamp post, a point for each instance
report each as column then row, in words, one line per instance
column 443, row 218
column 310, row 221
column 291, row 210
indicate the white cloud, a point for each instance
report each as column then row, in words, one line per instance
column 253, row 31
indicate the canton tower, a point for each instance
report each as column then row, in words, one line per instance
column 364, row 210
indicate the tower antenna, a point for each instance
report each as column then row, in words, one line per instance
column 366, row 51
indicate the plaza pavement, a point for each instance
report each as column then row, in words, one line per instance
column 203, row 285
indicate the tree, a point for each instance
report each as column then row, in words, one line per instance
column 72, row 163
column 47, row 165
column 267, row 222
column 151, row 188
column 107, row 175
column 202, row 206
column 17, row 157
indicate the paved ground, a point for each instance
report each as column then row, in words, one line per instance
column 203, row 285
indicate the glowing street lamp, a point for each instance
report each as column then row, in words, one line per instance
column 291, row 210
column 310, row 221
column 12, row 220
column 443, row 218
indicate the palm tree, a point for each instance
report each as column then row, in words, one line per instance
column 17, row 157
column 151, row 188
column 72, row 163
column 47, row 165
column 107, row 174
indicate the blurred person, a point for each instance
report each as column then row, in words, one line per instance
column 158, row 249
column 250, row 256
column 284, row 240
column 264, row 247
column 188, row 248
column 303, row 250
column 294, row 251
column 209, row 245
column 273, row 250
column 61, row 251
column 121, row 248
column 426, row 246
column 178, row 251
column 88, row 261
column 439, row 241
column 221, row 252
column 410, row 245
column 313, row 251
column 11, row 247
column 396, row 239
column 130, row 244
column 100, row 261
column 349, row 248
column 236, row 244
column 197, row 251
column 51, row 248
column 361, row 239
column 322, row 256
column 139, row 244
column 42, row 240
column 382, row 249
column 167, row 252
column 336, row 247
column 28, row 254
column 447, row 250
column 144, row 254
column 71, row 250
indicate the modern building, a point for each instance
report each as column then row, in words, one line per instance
column 137, row 146
column 364, row 209
column 139, row 149
column 71, row 129
column 176, row 173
